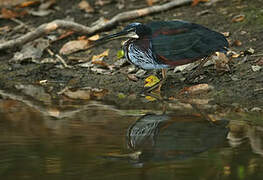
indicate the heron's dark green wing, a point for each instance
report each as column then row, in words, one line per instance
column 176, row 41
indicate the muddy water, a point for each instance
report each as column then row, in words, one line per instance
column 93, row 140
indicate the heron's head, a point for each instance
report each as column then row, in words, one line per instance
column 133, row 30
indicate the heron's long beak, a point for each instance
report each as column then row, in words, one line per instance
column 122, row 34
column 112, row 36
column 118, row 35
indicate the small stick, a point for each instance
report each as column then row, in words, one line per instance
column 59, row 57
column 18, row 21
column 62, row 60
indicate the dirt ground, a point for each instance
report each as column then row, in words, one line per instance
column 242, row 85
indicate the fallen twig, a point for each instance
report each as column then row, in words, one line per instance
column 54, row 25
column 63, row 62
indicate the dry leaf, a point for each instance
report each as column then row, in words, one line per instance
column 5, row 29
column 251, row 51
column 222, row 61
column 235, row 55
column 140, row 72
column 79, row 94
column 32, row 50
column 151, row 2
column 120, row 4
column 132, row 77
column 256, row 68
column 43, row 82
column 47, row 4
column 243, row 32
column 100, row 56
column 74, row 46
column 226, row 34
column 196, row 89
column 48, row 60
column 64, row 35
column 100, row 22
column 98, row 59
column 150, row 98
column 238, row 18
column 102, row 2
column 237, row 43
column 100, row 62
column 41, row 12
column 86, row 64
column 86, row 93
column 151, row 81
column 53, row 112
column 35, row 91
column 28, row 3
column 10, row 3
column 84, row 5
column 8, row 14
column 185, row 67
column 119, row 63
column 99, row 93
column 100, row 71
column 195, row 2
column 94, row 38
column 82, row 37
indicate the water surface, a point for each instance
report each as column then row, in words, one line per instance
column 99, row 141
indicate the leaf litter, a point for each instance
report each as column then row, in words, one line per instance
column 98, row 59
column 9, row 14
column 74, row 46
column 238, row 18
column 196, row 89
column 36, row 92
column 86, row 93
column 32, row 51
column 84, row 5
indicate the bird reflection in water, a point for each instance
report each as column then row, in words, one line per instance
column 166, row 137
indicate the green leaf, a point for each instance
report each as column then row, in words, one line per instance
column 121, row 96
column 120, row 54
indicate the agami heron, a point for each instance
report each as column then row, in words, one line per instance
column 166, row 44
